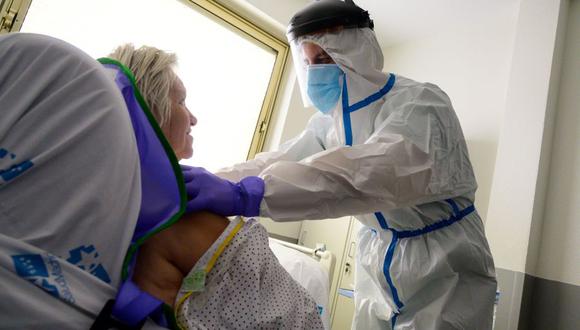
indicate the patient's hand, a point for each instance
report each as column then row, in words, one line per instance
column 167, row 257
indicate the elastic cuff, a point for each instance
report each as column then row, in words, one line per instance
column 252, row 195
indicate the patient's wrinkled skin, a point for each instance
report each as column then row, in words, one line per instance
column 167, row 257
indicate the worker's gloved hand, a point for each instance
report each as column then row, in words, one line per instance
column 206, row 191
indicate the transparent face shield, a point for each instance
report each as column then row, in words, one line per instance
column 301, row 66
column 311, row 50
column 321, row 23
column 355, row 51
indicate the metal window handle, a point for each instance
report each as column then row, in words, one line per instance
column 8, row 20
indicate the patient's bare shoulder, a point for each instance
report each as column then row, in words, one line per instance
column 189, row 238
column 168, row 256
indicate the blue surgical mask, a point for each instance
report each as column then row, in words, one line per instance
column 323, row 85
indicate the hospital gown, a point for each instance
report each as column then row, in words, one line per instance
column 247, row 288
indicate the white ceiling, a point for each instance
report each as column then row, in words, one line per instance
column 399, row 21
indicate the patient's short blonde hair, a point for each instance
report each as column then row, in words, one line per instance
column 154, row 76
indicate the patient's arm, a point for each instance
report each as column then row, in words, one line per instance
column 167, row 257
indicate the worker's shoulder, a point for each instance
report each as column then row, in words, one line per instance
column 412, row 89
column 413, row 99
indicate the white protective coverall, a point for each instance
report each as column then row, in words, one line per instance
column 69, row 185
column 393, row 154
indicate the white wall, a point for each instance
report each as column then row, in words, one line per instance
column 559, row 256
column 515, row 194
column 281, row 11
column 472, row 66
column 517, row 199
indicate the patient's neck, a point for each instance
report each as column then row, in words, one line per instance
column 167, row 257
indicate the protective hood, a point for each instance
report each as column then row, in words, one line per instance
column 357, row 53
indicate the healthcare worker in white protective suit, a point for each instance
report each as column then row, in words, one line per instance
column 388, row 150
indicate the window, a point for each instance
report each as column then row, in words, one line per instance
column 231, row 69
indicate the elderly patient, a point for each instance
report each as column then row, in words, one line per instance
column 216, row 273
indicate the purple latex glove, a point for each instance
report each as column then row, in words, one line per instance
column 206, row 191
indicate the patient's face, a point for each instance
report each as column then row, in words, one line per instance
column 179, row 126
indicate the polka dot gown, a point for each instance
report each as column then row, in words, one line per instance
column 248, row 289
